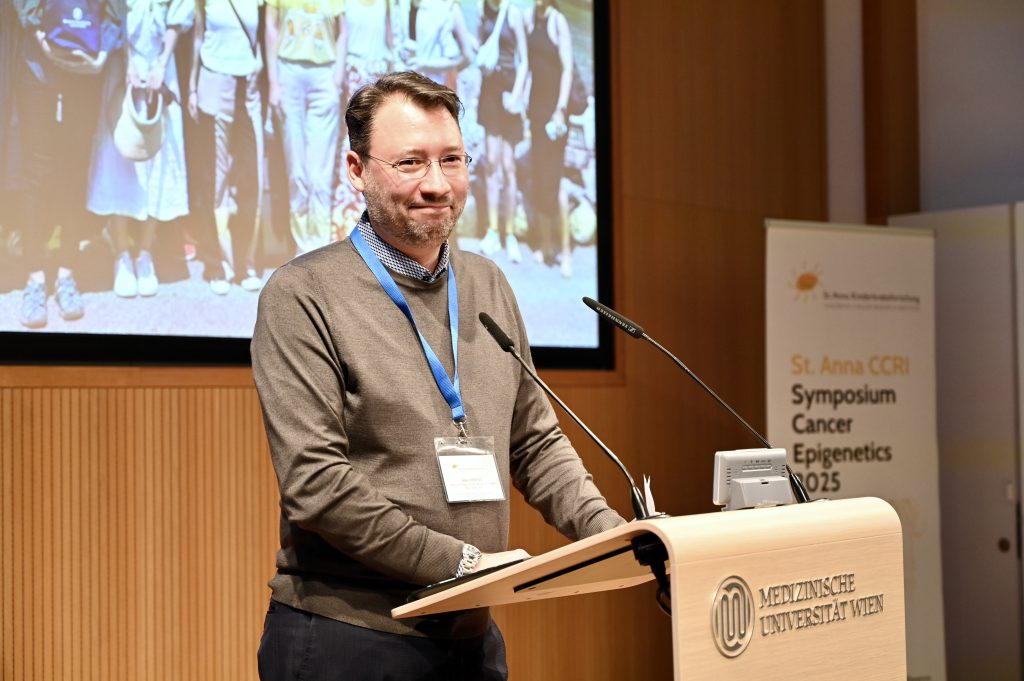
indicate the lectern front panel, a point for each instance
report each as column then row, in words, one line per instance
column 811, row 591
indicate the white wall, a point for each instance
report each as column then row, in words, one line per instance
column 971, row 102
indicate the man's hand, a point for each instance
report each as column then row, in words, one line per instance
column 489, row 560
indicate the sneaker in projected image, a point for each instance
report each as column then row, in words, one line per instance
column 69, row 300
column 251, row 281
column 221, row 285
column 146, row 274
column 491, row 243
column 125, row 283
column 33, row 305
column 512, row 245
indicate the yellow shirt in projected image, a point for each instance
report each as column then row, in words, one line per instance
column 308, row 29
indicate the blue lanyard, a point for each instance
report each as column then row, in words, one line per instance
column 451, row 391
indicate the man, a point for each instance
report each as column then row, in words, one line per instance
column 353, row 405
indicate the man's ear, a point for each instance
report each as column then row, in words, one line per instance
column 355, row 170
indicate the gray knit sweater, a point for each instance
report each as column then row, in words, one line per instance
column 351, row 411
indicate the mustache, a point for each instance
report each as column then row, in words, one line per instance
column 432, row 204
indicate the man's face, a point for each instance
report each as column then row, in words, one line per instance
column 417, row 212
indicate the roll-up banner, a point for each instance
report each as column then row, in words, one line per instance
column 850, row 343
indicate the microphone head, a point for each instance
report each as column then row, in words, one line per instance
column 503, row 341
column 627, row 325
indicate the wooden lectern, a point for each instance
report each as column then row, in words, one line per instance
column 802, row 591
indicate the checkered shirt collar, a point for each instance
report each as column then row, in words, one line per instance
column 399, row 262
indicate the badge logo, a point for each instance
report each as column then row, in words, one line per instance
column 732, row 616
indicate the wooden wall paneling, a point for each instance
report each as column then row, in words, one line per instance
column 6, row 503
column 891, row 141
column 724, row 106
column 46, row 376
column 138, row 529
column 6, row 535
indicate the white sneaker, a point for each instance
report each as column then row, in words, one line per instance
column 512, row 246
column 220, row 286
column 491, row 243
column 125, row 283
column 146, row 274
column 251, row 281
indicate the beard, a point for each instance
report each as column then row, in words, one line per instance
column 385, row 214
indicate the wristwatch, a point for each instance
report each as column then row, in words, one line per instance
column 470, row 557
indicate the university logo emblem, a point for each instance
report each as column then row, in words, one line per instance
column 732, row 616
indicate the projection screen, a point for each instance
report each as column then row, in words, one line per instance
column 165, row 156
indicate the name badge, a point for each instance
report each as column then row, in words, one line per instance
column 469, row 469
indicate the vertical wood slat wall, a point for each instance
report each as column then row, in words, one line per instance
column 138, row 530
column 891, row 144
column 139, row 509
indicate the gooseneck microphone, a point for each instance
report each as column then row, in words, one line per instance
column 636, row 331
column 506, row 344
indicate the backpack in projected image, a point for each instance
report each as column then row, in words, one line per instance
column 73, row 24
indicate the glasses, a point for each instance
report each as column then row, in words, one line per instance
column 451, row 165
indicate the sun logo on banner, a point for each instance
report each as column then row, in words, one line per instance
column 806, row 282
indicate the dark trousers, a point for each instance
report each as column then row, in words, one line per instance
column 301, row 645
column 547, row 158
column 57, row 120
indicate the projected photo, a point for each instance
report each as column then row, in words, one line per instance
column 162, row 157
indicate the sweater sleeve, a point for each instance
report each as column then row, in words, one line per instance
column 544, row 465
column 301, row 384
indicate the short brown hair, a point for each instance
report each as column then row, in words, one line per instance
column 422, row 91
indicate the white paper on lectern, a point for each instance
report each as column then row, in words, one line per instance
column 649, row 496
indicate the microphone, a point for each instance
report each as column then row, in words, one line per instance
column 506, row 344
column 633, row 329
column 627, row 325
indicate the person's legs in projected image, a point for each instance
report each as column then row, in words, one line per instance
column 55, row 172
column 501, row 199
column 134, row 275
column 246, row 177
column 229, row 184
column 310, row 109
column 207, row 180
column 546, row 157
column 499, row 112
column 322, row 139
